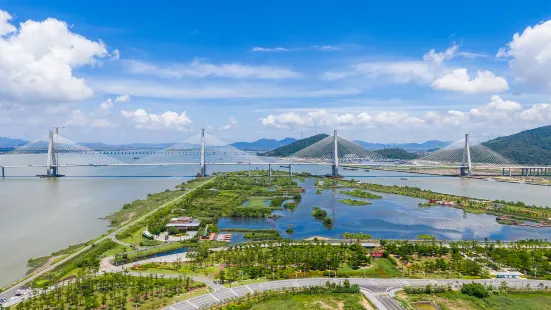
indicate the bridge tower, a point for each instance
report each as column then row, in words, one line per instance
column 203, row 168
column 335, row 166
column 467, row 168
column 51, row 162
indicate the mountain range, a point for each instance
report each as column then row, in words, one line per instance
column 263, row 144
column 529, row 147
column 412, row 147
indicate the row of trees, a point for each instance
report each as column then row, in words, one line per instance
column 112, row 290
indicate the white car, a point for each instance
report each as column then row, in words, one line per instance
column 14, row 298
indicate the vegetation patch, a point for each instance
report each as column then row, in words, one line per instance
column 360, row 236
column 361, row 194
column 354, row 202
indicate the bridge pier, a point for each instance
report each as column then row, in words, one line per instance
column 3, row 174
column 270, row 171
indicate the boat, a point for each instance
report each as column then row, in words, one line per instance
column 366, row 170
column 136, row 158
column 405, row 179
column 348, row 168
column 489, row 180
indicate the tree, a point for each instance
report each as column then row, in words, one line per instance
column 475, row 289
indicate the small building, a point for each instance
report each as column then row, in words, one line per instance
column 377, row 253
column 498, row 205
column 506, row 274
column 216, row 237
column 184, row 223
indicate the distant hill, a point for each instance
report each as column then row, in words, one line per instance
column 295, row 146
column 263, row 144
column 396, row 153
column 529, row 147
column 425, row 146
column 7, row 142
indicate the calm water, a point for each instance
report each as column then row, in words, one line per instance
column 40, row 216
column 392, row 217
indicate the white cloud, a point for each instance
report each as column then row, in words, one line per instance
column 399, row 71
column 460, row 81
column 37, row 61
column 232, row 124
column 496, row 109
column 326, row 48
column 5, row 26
column 530, row 55
column 109, row 103
column 168, row 120
column 324, row 118
column 115, row 55
column 123, row 98
column 269, row 49
column 430, row 70
column 171, row 90
column 198, row 69
column 538, row 112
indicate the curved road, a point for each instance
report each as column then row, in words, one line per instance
column 377, row 290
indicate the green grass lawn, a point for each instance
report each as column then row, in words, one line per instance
column 380, row 268
column 257, row 201
column 316, row 301
column 454, row 300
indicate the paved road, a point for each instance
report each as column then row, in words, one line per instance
column 377, row 290
column 13, row 290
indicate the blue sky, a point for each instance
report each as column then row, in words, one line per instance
column 136, row 71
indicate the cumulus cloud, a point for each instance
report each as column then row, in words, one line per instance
column 326, row 48
column 324, row 118
column 538, row 112
column 529, row 55
column 37, row 61
column 269, row 49
column 167, row 120
column 109, row 103
column 496, row 109
column 232, row 124
column 399, row 71
column 198, row 69
column 460, row 81
column 430, row 70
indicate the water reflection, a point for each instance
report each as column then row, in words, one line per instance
column 392, row 217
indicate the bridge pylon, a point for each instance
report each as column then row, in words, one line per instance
column 335, row 166
column 203, row 167
column 467, row 167
column 51, row 162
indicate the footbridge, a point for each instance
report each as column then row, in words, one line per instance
column 203, row 150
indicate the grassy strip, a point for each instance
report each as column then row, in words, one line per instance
column 361, row 194
column 354, row 202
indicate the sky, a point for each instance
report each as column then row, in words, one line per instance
column 389, row 72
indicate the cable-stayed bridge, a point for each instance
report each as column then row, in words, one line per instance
column 204, row 150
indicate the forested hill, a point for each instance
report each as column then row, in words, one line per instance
column 294, row 147
column 530, row 147
column 396, row 153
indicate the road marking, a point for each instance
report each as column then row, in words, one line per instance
column 194, row 306
column 249, row 288
column 218, row 300
column 231, row 290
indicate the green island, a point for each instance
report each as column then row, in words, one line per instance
column 361, row 194
column 360, row 236
column 266, row 255
column 354, row 202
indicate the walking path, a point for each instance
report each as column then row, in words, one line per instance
column 12, row 290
